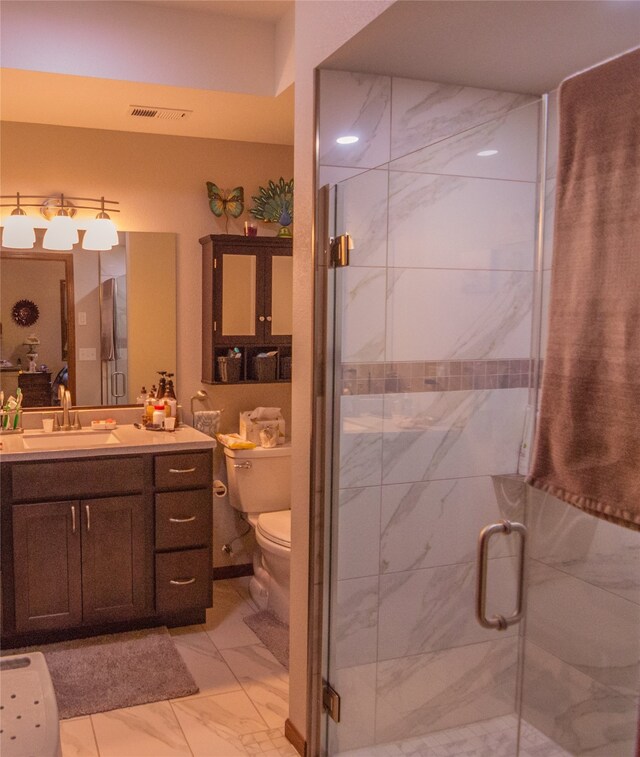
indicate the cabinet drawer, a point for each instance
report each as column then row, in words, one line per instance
column 75, row 478
column 183, row 580
column 183, row 519
column 183, row 471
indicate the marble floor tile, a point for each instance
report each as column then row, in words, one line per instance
column 224, row 623
column 149, row 730
column 215, row 725
column 264, row 679
column 203, row 660
column 77, row 739
column 241, row 586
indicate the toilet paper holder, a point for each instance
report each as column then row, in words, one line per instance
column 219, row 488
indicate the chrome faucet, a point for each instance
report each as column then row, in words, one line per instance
column 66, row 407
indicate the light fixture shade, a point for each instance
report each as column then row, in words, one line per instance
column 18, row 232
column 101, row 234
column 62, row 234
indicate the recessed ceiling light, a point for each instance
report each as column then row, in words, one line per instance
column 349, row 140
column 486, row 153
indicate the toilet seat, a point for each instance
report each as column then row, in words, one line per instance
column 276, row 527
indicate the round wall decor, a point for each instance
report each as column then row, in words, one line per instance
column 25, row 313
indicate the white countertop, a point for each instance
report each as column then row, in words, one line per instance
column 129, row 439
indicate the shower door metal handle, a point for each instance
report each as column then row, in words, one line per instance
column 499, row 622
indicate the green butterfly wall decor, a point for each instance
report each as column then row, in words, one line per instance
column 225, row 202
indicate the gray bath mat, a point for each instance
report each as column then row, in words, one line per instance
column 117, row 670
column 273, row 633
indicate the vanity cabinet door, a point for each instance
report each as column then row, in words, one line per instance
column 46, row 549
column 114, row 574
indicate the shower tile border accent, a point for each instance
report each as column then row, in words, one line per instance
column 435, row 376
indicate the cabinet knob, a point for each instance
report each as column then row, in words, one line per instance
column 261, row 318
column 269, row 318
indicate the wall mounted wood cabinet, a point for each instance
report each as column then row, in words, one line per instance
column 247, row 287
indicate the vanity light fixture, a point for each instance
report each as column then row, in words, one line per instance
column 348, row 140
column 486, row 153
column 61, row 230
column 18, row 232
column 101, row 233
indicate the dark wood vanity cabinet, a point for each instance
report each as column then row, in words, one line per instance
column 80, row 561
column 246, row 304
column 119, row 542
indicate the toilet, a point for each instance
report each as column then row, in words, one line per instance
column 260, row 488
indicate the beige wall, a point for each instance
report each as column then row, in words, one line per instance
column 160, row 183
column 321, row 28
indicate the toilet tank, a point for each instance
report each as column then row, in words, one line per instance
column 259, row 479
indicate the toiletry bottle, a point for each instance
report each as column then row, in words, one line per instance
column 141, row 398
column 162, row 384
column 170, row 395
column 158, row 415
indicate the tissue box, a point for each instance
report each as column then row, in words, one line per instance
column 250, row 430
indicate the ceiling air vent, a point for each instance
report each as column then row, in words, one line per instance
column 168, row 114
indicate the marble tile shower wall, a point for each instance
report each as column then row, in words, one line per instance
column 439, row 287
column 581, row 681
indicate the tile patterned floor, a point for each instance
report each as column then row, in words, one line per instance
column 240, row 708
column 488, row 738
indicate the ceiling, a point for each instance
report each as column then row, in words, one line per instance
column 265, row 10
column 35, row 91
column 524, row 46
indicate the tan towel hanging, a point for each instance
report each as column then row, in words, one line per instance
column 587, row 450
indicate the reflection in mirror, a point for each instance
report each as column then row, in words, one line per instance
column 281, row 295
column 112, row 351
column 239, row 295
column 39, row 353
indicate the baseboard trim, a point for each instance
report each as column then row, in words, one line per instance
column 292, row 734
column 231, row 571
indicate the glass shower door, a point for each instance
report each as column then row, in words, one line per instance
column 431, row 382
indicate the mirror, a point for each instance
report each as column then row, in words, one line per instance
column 115, row 310
column 239, row 295
column 281, row 295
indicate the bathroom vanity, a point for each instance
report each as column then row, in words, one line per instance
column 103, row 536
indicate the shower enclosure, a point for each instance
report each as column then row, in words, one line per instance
column 436, row 328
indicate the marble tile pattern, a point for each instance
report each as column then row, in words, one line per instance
column 239, row 710
column 436, row 327
column 578, row 713
column 496, row 737
column 461, row 222
column 415, row 517
column 425, row 112
column 451, row 687
column 361, row 210
column 512, row 137
column 354, row 104
column 475, row 315
column 443, row 435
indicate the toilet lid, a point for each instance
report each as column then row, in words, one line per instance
column 276, row 527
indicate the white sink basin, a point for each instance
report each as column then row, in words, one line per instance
column 69, row 440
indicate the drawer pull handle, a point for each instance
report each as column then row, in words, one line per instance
column 73, row 519
column 182, row 470
column 182, row 581
column 88, row 512
column 190, row 519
